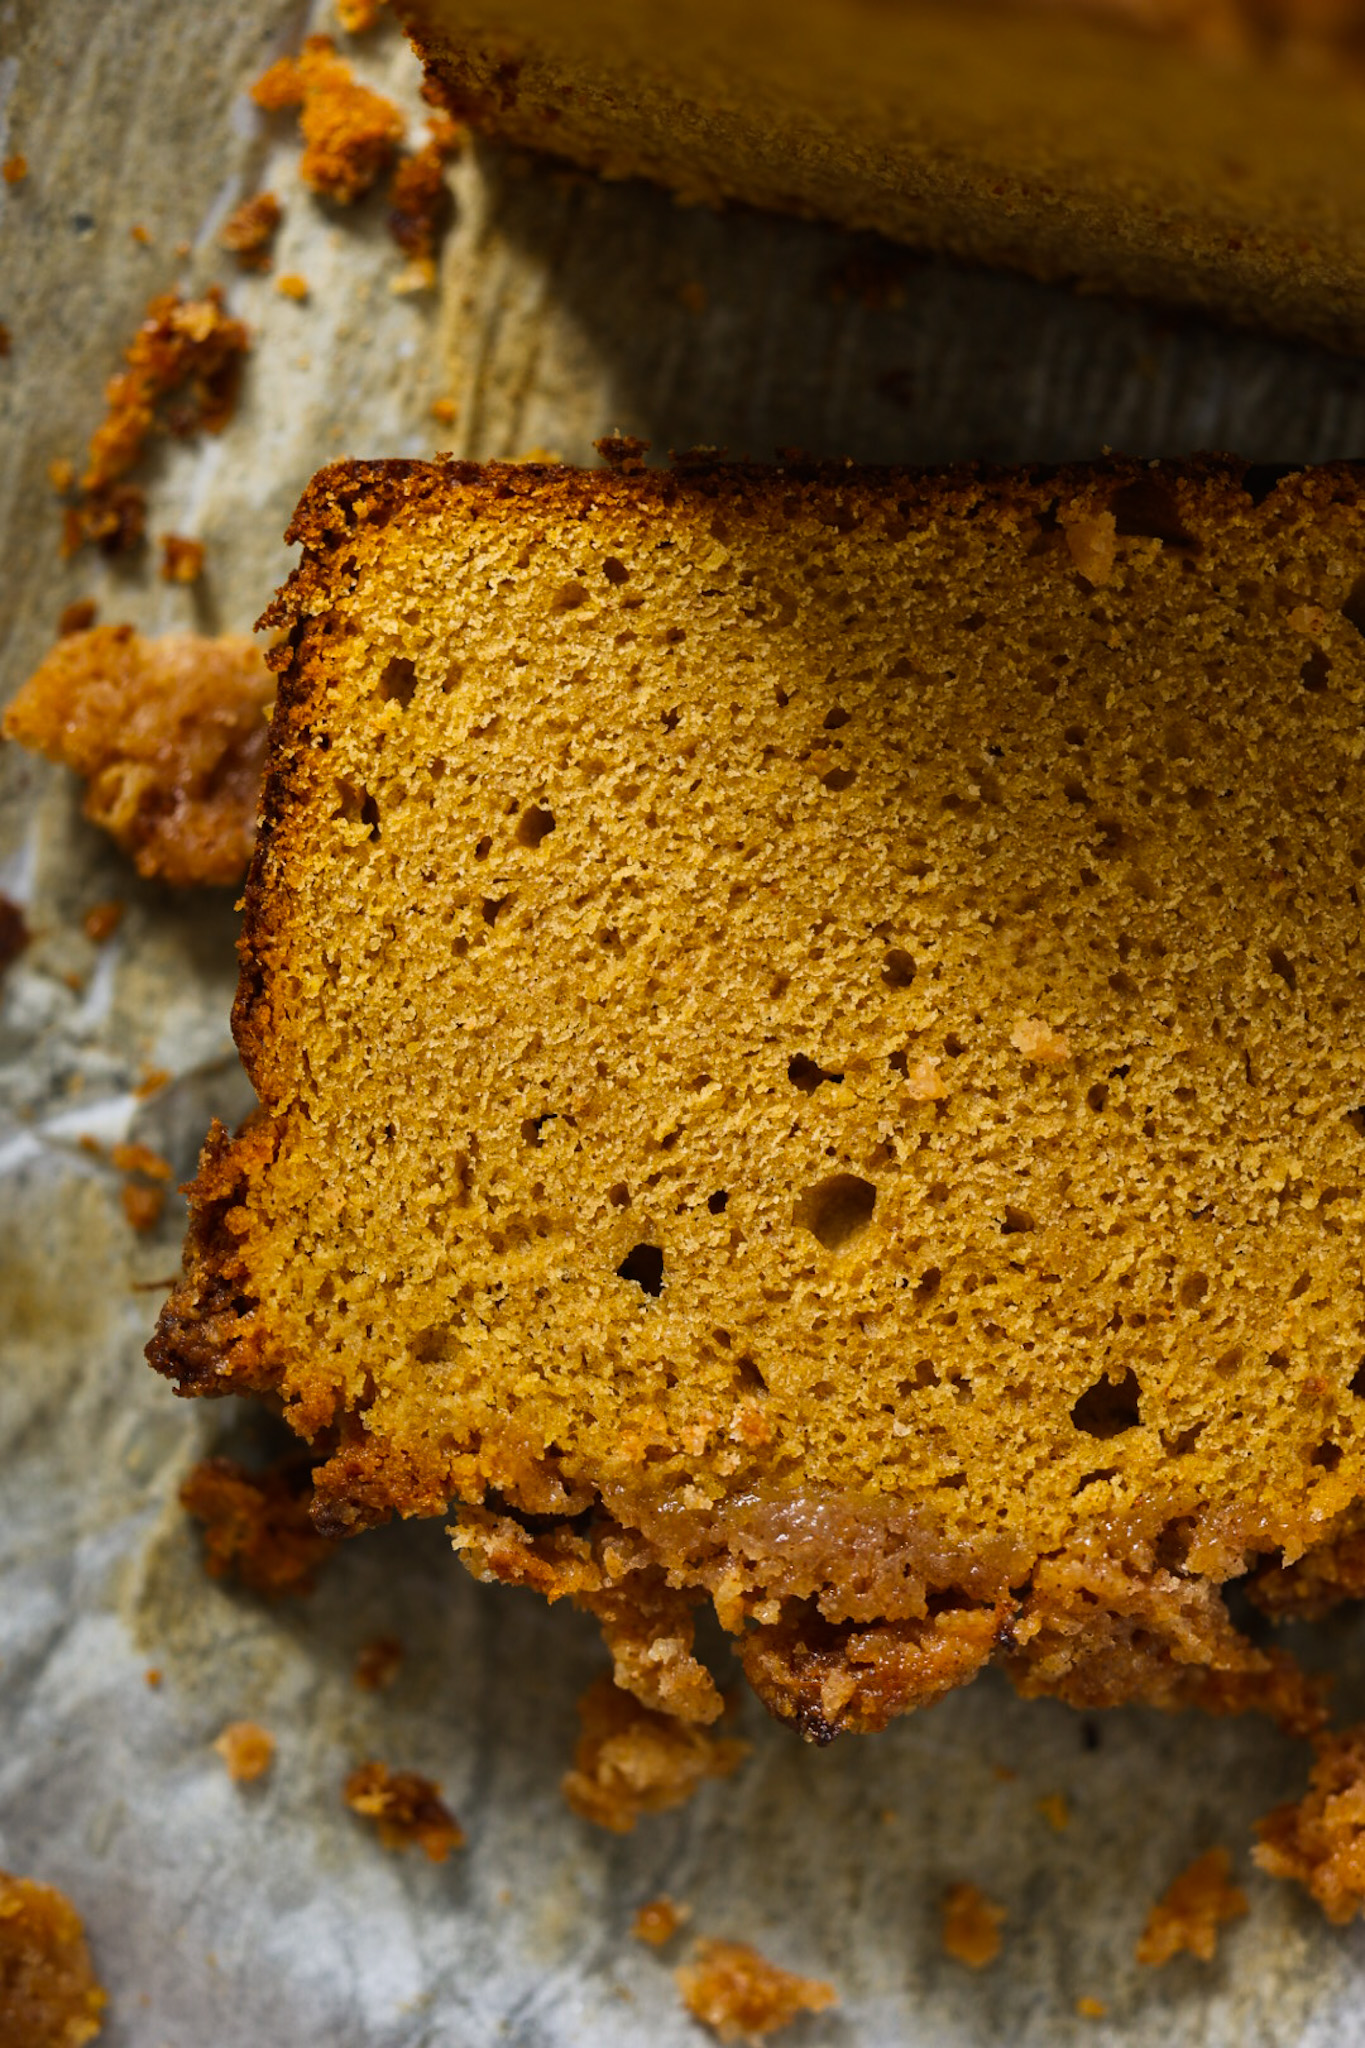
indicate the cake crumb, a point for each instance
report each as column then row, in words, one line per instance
column 741, row 1996
column 292, row 286
column 14, row 169
column 357, row 17
column 378, row 1663
column 1055, row 1811
column 446, row 410
column 14, row 932
column 250, row 228
column 182, row 561
column 693, row 296
column 1091, row 2008
column 151, row 1677
column 1093, row 544
column 658, row 1920
column 153, row 1080
column 257, row 1528
column 1319, row 1841
column 971, row 1926
column 419, row 200
column 632, row 1760
column 61, row 473
column 1189, row 1913
column 350, row 134
column 141, row 235
column 140, row 1159
column 247, row 1749
column 170, row 737
column 405, row 1808
column 49, row 1996
column 77, row 617
column 1038, row 1041
column 143, row 1206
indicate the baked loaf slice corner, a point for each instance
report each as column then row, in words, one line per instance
column 809, row 1032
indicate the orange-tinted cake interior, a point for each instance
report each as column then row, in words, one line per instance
column 809, row 1034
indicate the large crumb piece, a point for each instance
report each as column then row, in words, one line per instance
column 14, row 932
column 48, row 1994
column 658, row 1920
column 349, row 133
column 741, row 1996
column 631, row 1760
column 405, row 1808
column 188, row 350
column 170, row 735
column 247, row 1749
column 257, row 1527
column 250, row 228
column 1326, row 1574
column 1320, row 1841
column 971, row 1926
column 1190, row 1912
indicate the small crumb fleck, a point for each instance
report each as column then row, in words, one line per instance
column 1091, row 2008
column 378, row 1663
column 14, row 169
column 4, row 339
column 291, row 286
column 357, row 16
column 1003, row 1772
column 152, row 1676
column 971, row 1926
column 250, row 228
column 142, row 1206
column 61, row 474
column 182, row 561
column 153, row 1080
column 77, row 618
column 140, row 1159
column 888, row 1816
column 247, row 1749
column 1055, row 1811
column 741, row 1996
column 102, row 920
column 694, row 296
column 14, row 932
column 1038, row 1041
column 658, row 1920
column 446, row 410
column 140, row 235
column 1189, row 1913
column 406, row 1809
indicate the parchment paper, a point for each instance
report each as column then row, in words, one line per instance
column 224, row 1917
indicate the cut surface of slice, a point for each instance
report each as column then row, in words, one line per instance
column 809, row 1034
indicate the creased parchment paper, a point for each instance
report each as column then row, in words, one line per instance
column 226, row 1917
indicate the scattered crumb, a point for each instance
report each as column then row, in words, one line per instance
column 142, row 1206
column 405, row 1808
column 658, row 1920
column 14, row 932
column 631, row 1760
column 1093, row 544
column 1003, row 1772
column 5, row 339
column 378, row 1663
column 140, row 235
column 151, row 1677
column 1320, row 1841
column 971, row 1926
column 419, row 201
column 257, row 1528
column 170, row 737
column 49, row 1997
column 291, row 285
column 153, row 1080
column 1091, row 2008
column 1055, row 1811
column 741, row 1996
column 350, row 134
column 446, row 410
column 250, row 228
column 140, row 1159
column 694, row 296
column 247, row 1749
column 1189, row 1914
column 77, row 617
column 1309, row 619
column 61, row 473
column 188, row 348
column 14, row 169
column 874, row 274
column 182, row 561
column 357, row 16
column 1038, row 1041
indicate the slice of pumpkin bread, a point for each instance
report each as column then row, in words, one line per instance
column 810, row 1040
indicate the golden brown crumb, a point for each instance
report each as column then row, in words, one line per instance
column 182, row 561
column 140, row 1159
column 153, row 1080
column 1190, row 1912
column 250, row 228
column 971, row 1926
column 142, row 1206
column 446, row 410
column 1055, row 1811
column 151, row 1677
column 49, row 1997
column 1091, row 2008
column 188, row 347
column 14, row 932
column 170, row 736
column 378, row 1663
column 1038, row 1041
column 349, row 133
column 1320, row 1841
column 247, row 1749
column 356, row 16
column 14, row 169
column 658, row 1920
column 4, row 339
column 77, row 617
column 140, row 235
column 405, row 1808
column 61, row 473
column 291, row 285
column 419, row 200
column 741, row 1996
column 631, row 1760
column 257, row 1527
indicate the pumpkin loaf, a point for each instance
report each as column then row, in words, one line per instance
column 810, row 1043
column 1207, row 153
